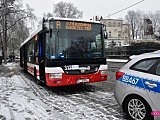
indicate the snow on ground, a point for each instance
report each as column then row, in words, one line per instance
column 17, row 101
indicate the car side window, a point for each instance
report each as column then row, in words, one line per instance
column 158, row 69
column 143, row 65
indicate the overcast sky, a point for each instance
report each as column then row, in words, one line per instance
column 92, row 8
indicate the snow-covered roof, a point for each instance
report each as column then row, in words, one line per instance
column 73, row 19
column 147, row 55
column 32, row 34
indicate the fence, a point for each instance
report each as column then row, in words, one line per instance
column 126, row 51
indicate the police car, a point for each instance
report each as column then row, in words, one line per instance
column 137, row 88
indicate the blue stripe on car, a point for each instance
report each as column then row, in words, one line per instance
column 140, row 82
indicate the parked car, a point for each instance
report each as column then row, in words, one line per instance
column 137, row 88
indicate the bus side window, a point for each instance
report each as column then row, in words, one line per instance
column 36, row 47
column 30, row 51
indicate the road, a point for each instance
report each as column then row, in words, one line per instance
column 81, row 102
column 85, row 102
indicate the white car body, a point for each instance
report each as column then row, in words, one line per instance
column 136, row 82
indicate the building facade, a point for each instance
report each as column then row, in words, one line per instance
column 118, row 33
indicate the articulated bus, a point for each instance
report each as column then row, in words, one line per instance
column 65, row 52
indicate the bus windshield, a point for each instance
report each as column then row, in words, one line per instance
column 75, row 42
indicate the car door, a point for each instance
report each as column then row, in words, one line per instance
column 149, row 72
column 152, row 85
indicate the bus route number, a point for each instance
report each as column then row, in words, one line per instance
column 71, row 67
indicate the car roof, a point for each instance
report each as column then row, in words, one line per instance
column 146, row 55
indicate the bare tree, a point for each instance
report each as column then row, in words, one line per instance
column 11, row 14
column 66, row 10
column 155, row 18
column 140, row 24
column 136, row 21
column 132, row 19
column 16, row 35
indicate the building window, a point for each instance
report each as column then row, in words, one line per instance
column 109, row 24
column 106, row 44
column 114, row 24
column 119, row 24
column 119, row 43
column 110, row 34
column 119, row 33
column 125, row 30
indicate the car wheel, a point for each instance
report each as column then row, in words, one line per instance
column 137, row 108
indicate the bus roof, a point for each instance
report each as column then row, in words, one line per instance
column 55, row 18
column 32, row 35
column 73, row 19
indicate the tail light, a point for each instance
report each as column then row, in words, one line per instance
column 119, row 74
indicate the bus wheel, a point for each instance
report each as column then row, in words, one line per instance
column 38, row 82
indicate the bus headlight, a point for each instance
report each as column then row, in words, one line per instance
column 103, row 72
column 55, row 75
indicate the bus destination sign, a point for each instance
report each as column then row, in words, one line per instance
column 73, row 25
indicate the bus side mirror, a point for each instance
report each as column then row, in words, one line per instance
column 45, row 26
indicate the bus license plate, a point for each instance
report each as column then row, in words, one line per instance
column 82, row 80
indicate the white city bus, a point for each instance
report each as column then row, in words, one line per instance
column 65, row 52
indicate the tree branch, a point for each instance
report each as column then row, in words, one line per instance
column 15, row 23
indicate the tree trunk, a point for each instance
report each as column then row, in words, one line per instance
column 4, row 25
